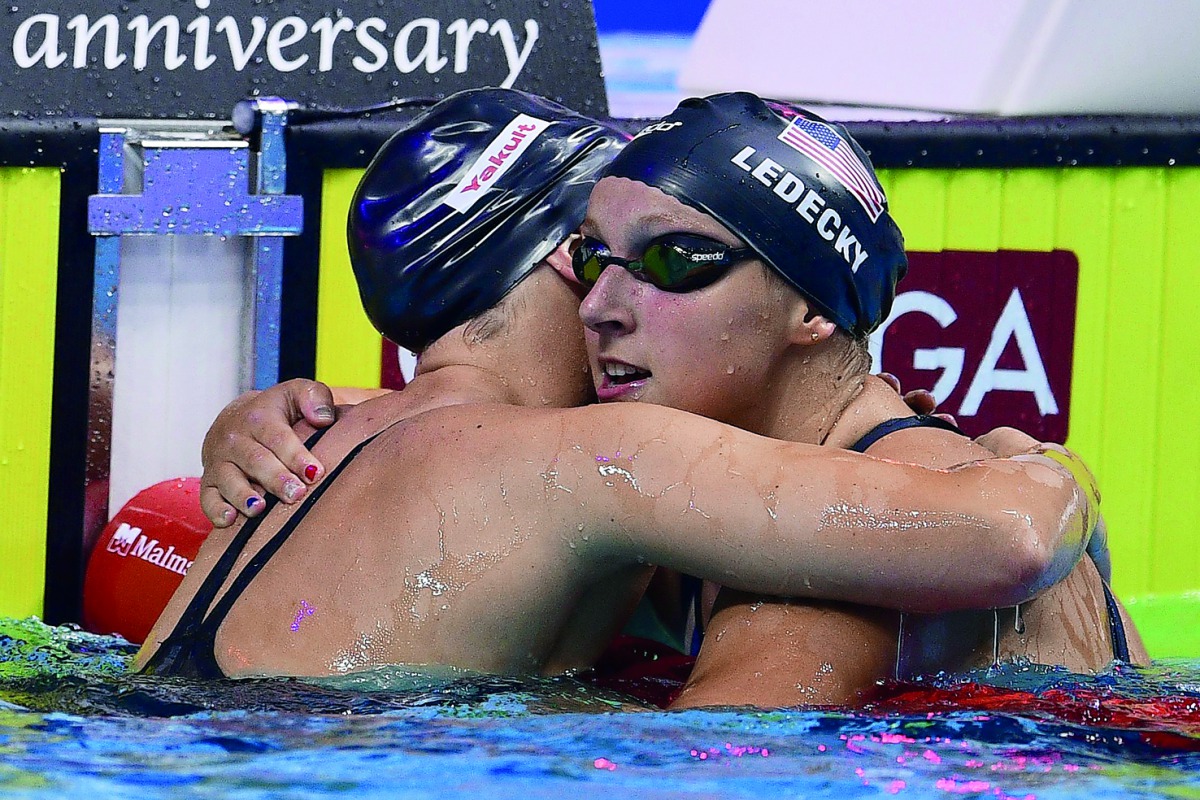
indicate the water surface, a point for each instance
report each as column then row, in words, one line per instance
column 73, row 723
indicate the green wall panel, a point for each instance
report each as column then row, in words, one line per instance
column 1136, row 232
column 348, row 348
column 29, row 207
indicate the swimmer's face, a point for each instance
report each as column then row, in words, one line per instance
column 711, row 351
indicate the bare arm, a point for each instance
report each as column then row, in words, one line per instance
column 678, row 490
column 798, row 520
column 252, row 450
column 1010, row 441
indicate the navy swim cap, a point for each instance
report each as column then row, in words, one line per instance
column 462, row 203
column 796, row 188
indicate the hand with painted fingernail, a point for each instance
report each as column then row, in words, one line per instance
column 293, row 490
column 252, row 450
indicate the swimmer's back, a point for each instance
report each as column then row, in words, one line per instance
column 419, row 553
column 1067, row 625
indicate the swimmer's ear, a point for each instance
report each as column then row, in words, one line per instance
column 560, row 258
column 807, row 326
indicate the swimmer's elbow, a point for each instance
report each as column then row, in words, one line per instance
column 1032, row 561
column 1031, row 554
column 1012, row 573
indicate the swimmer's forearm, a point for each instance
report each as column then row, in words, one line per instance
column 795, row 520
column 660, row 486
column 1009, row 529
column 1038, row 518
column 1006, row 442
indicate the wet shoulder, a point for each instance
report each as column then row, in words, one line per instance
column 477, row 436
column 927, row 446
column 467, row 433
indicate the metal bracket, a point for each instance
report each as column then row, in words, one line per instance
column 175, row 178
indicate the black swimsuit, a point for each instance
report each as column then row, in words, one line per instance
column 190, row 650
column 1116, row 626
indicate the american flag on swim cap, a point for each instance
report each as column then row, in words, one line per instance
column 823, row 145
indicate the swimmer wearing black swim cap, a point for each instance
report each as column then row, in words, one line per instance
column 797, row 189
column 461, row 204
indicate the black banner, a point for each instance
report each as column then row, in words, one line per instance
column 197, row 58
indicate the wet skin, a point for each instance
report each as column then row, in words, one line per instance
column 491, row 527
column 746, row 351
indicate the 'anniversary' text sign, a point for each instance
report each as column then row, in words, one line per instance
column 197, row 58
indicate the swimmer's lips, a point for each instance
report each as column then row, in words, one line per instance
column 620, row 380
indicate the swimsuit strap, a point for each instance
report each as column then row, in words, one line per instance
column 899, row 424
column 213, row 621
column 1116, row 626
column 691, row 592
column 177, row 654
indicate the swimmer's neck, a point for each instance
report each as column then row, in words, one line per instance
column 459, row 373
column 875, row 403
column 458, row 384
column 535, row 359
column 817, row 401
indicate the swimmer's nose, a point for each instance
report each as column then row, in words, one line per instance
column 608, row 306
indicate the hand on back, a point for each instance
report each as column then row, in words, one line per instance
column 252, row 450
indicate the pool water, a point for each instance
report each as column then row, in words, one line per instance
column 73, row 723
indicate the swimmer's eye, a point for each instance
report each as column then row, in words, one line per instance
column 676, row 262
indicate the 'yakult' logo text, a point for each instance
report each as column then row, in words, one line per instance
column 130, row 541
column 501, row 153
column 809, row 204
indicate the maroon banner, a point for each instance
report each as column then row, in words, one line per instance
column 992, row 334
column 396, row 366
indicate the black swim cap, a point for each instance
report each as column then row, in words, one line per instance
column 462, row 203
column 796, row 188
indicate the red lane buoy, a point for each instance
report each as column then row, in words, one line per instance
column 141, row 557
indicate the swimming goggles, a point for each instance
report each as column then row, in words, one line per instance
column 677, row 262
